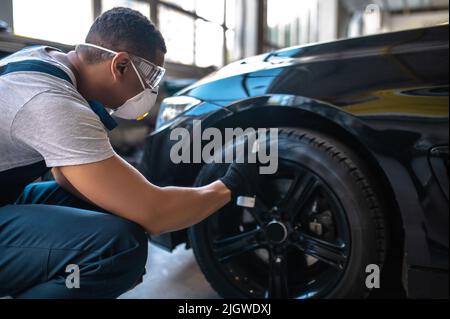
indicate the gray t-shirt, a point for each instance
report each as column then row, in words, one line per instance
column 45, row 118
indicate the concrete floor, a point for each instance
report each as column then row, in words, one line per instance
column 172, row 276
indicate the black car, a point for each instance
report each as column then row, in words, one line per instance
column 362, row 183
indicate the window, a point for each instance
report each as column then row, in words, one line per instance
column 178, row 31
column 141, row 6
column 211, row 10
column 60, row 21
column 199, row 32
column 65, row 21
column 209, row 44
column 188, row 5
column 290, row 23
column 230, row 34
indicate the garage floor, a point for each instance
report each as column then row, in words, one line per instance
column 172, row 276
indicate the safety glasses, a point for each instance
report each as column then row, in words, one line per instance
column 150, row 73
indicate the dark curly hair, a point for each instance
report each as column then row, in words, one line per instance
column 123, row 30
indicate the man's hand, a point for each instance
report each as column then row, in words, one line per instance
column 242, row 178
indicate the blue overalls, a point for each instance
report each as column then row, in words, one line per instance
column 48, row 236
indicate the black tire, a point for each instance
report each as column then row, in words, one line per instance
column 357, row 221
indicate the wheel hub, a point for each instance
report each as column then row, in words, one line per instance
column 276, row 232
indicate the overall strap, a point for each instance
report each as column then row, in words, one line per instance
column 50, row 69
column 35, row 66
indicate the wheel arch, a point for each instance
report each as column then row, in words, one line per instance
column 325, row 119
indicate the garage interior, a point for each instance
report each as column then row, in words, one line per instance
column 203, row 36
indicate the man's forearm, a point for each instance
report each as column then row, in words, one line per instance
column 181, row 208
column 120, row 189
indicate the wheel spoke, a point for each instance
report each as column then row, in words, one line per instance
column 330, row 253
column 299, row 193
column 256, row 212
column 278, row 277
column 228, row 248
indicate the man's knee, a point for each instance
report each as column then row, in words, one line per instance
column 48, row 193
column 39, row 193
column 129, row 248
column 129, row 237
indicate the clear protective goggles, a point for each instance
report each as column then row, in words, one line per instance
column 148, row 71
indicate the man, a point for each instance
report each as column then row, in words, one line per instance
column 94, row 218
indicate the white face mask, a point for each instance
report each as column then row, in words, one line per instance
column 139, row 106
